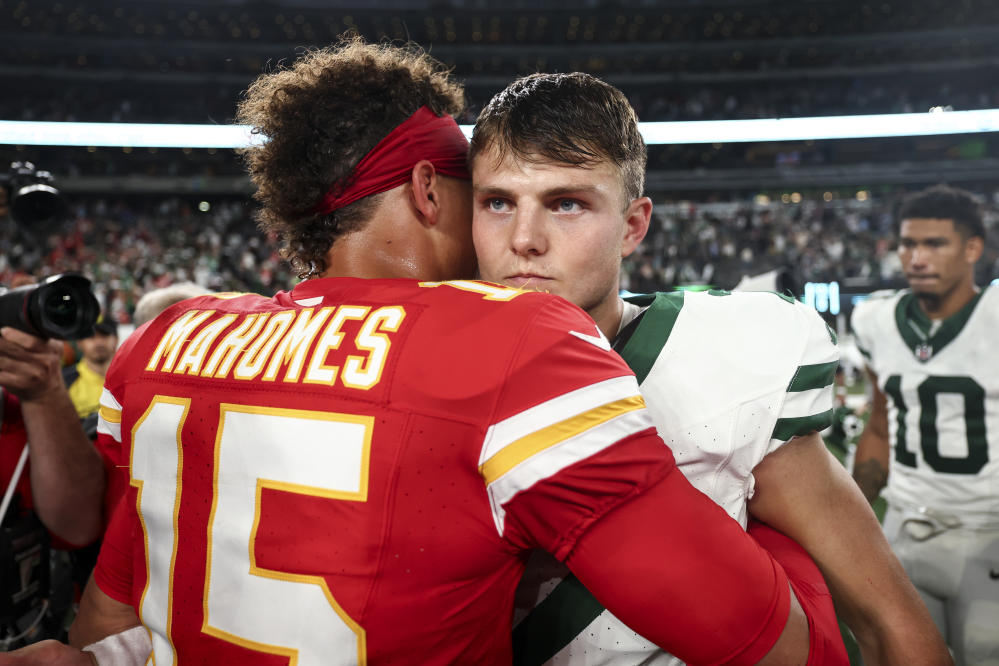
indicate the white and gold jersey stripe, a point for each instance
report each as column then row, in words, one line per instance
column 537, row 443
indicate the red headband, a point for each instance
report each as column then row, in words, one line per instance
column 422, row 136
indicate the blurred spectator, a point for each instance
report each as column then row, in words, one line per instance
column 85, row 379
column 158, row 300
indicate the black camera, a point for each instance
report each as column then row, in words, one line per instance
column 61, row 306
column 32, row 197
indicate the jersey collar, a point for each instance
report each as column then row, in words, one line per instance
column 914, row 326
column 641, row 351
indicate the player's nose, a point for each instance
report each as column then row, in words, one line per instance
column 528, row 236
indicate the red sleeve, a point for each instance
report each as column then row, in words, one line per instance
column 825, row 642
column 556, row 511
column 113, row 573
column 675, row 567
column 13, row 439
column 570, row 437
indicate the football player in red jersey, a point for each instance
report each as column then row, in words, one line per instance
column 353, row 471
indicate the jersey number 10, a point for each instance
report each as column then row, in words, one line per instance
column 929, row 439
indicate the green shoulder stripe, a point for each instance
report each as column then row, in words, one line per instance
column 810, row 377
column 553, row 623
column 642, row 350
column 785, row 429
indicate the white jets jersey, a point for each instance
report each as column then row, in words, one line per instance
column 728, row 378
column 941, row 381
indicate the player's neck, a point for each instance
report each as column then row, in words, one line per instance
column 608, row 316
column 98, row 368
column 384, row 248
column 950, row 303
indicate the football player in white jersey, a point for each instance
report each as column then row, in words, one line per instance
column 934, row 368
column 738, row 384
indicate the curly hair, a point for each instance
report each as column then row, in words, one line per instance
column 943, row 202
column 572, row 119
column 320, row 116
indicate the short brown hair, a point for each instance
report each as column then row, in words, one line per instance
column 566, row 118
column 320, row 116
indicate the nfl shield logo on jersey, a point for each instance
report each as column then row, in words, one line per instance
column 924, row 352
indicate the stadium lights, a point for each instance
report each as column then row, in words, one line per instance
column 142, row 135
column 125, row 135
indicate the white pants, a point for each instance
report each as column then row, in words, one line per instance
column 956, row 571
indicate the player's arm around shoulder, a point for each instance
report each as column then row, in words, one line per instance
column 805, row 493
column 688, row 578
column 684, row 574
column 802, row 491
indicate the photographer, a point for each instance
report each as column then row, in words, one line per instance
column 65, row 472
column 51, row 477
column 62, row 482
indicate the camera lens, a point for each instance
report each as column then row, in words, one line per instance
column 60, row 308
column 37, row 204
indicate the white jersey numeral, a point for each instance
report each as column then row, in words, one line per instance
column 310, row 453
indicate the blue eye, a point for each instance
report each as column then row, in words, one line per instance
column 496, row 205
column 568, row 205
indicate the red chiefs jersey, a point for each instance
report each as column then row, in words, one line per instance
column 351, row 472
column 13, row 438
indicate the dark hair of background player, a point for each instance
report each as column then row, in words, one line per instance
column 943, row 202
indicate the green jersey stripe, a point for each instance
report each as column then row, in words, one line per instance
column 553, row 623
column 641, row 351
column 785, row 429
column 810, row 377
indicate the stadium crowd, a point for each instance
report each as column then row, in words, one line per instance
column 664, row 101
column 129, row 247
column 816, row 241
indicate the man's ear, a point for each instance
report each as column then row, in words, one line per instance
column 426, row 192
column 636, row 224
column 973, row 249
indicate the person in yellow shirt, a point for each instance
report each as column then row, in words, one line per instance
column 85, row 379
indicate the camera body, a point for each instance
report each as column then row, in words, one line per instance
column 31, row 195
column 61, row 306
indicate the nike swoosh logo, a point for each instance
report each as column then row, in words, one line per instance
column 597, row 340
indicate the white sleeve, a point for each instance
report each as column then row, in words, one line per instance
column 808, row 404
column 131, row 647
column 862, row 321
